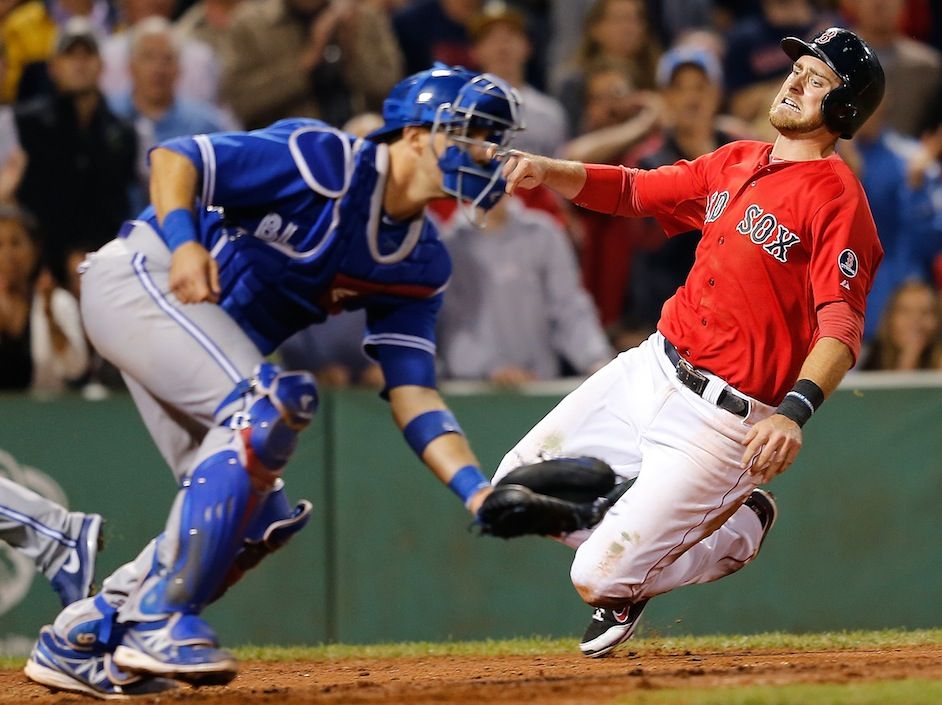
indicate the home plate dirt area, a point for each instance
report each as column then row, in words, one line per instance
column 558, row 679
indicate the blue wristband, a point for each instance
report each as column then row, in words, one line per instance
column 425, row 428
column 179, row 228
column 466, row 482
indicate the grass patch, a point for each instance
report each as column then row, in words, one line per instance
column 541, row 646
column 903, row 692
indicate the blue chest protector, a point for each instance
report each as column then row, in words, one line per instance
column 293, row 216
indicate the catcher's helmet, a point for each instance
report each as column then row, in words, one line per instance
column 849, row 105
column 459, row 103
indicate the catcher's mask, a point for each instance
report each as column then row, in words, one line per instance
column 472, row 111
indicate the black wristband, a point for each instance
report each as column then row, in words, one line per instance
column 801, row 402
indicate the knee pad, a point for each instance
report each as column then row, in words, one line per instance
column 268, row 411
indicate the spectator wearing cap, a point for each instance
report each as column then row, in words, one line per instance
column 690, row 80
column 152, row 105
column 29, row 31
column 80, row 155
column 500, row 46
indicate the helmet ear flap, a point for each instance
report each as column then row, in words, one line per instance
column 840, row 114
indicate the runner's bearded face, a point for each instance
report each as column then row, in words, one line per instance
column 797, row 107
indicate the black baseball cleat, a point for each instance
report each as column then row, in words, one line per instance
column 762, row 502
column 609, row 628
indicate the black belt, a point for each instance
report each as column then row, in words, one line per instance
column 696, row 382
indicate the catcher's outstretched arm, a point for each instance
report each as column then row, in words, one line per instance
column 434, row 435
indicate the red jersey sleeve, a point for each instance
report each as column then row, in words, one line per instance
column 676, row 194
column 846, row 251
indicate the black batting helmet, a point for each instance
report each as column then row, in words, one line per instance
column 849, row 105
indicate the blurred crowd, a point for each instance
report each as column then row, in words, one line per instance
column 545, row 289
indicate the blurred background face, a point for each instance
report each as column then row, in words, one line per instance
column 137, row 10
column 608, row 99
column 502, row 49
column 154, row 68
column 915, row 316
column 17, row 253
column 620, row 28
column 788, row 13
column 691, row 98
column 76, row 70
column 876, row 15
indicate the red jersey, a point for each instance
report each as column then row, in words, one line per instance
column 780, row 240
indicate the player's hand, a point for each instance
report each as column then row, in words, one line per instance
column 194, row 274
column 520, row 169
column 45, row 286
column 771, row 446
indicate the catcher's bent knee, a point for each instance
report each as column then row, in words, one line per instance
column 267, row 411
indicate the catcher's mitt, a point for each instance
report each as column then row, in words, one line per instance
column 549, row 498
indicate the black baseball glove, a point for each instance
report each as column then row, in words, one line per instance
column 550, row 498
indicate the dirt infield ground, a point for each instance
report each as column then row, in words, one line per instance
column 556, row 679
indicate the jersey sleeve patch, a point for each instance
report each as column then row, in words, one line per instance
column 848, row 263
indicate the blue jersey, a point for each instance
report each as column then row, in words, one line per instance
column 293, row 215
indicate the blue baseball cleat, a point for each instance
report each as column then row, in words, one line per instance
column 182, row 646
column 73, row 581
column 56, row 665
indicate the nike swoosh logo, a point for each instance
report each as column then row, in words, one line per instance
column 72, row 565
column 621, row 616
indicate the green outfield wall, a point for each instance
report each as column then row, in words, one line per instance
column 389, row 555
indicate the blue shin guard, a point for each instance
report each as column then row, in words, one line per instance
column 162, row 634
column 216, row 509
column 215, row 505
